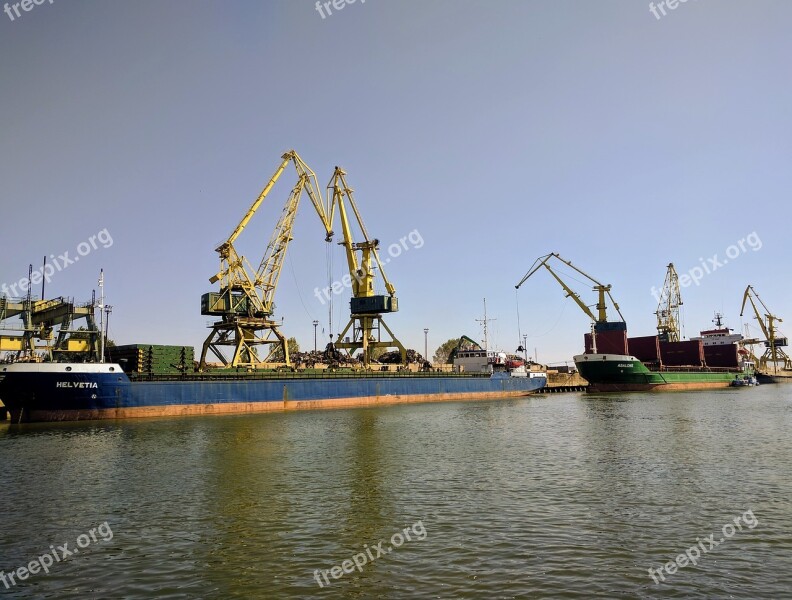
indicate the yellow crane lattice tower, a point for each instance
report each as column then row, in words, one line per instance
column 668, row 318
column 245, row 301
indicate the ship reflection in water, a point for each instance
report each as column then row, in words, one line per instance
column 562, row 496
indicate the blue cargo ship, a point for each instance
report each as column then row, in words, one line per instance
column 76, row 391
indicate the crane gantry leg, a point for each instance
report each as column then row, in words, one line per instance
column 244, row 337
column 367, row 336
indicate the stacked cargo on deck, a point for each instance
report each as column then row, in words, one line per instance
column 726, row 355
column 645, row 348
column 650, row 349
column 611, row 338
column 152, row 359
column 682, row 354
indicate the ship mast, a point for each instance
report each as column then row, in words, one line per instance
column 485, row 321
column 101, row 316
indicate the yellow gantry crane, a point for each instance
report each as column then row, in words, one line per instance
column 366, row 306
column 245, row 301
column 43, row 320
column 774, row 343
column 668, row 321
column 601, row 318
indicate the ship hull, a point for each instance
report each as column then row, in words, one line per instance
column 621, row 373
column 49, row 393
column 774, row 378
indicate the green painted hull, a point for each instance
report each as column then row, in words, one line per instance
column 608, row 373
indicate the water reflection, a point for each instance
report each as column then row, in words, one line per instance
column 563, row 496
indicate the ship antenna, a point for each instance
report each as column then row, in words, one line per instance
column 30, row 287
column 484, row 321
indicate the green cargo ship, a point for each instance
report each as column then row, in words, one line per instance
column 619, row 373
column 613, row 362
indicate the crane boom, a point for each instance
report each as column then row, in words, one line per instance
column 602, row 290
column 255, row 206
column 368, row 247
column 269, row 270
column 311, row 186
column 750, row 294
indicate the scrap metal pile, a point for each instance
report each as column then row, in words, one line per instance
column 335, row 358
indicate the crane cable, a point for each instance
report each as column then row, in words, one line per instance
column 297, row 285
column 561, row 314
column 329, row 267
column 519, row 331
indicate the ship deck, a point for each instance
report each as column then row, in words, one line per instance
column 307, row 374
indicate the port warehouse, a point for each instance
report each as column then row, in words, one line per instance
column 651, row 350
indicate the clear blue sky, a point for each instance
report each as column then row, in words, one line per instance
column 501, row 131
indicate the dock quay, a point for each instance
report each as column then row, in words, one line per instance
column 564, row 382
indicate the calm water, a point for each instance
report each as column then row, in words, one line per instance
column 563, row 496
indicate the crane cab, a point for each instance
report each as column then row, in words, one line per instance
column 374, row 304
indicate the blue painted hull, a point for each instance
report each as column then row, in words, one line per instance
column 32, row 395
